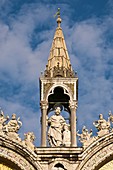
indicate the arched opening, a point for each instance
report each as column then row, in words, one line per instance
column 58, row 97
column 7, row 164
column 59, row 166
column 106, row 164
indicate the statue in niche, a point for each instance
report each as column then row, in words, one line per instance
column 55, row 132
column 66, row 135
column 13, row 126
column 29, row 139
column 102, row 125
column 86, row 137
column 3, row 120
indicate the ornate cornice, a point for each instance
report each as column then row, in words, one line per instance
column 96, row 153
column 20, row 155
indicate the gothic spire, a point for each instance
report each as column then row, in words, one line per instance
column 58, row 62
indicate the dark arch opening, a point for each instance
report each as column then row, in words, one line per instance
column 9, row 163
column 58, row 98
column 101, row 164
column 58, row 165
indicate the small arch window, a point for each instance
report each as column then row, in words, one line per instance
column 59, row 166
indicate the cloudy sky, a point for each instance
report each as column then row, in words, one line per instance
column 26, row 31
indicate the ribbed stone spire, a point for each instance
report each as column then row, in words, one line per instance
column 58, row 62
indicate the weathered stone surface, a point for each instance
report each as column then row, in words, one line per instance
column 102, row 125
column 14, row 152
column 55, row 132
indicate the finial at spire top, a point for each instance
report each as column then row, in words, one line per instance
column 59, row 20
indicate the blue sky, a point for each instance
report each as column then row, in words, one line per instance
column 26, row 31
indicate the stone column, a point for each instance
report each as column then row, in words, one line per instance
column 73, row 108
column 44, row 106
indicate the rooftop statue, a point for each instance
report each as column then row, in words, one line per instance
column 57, row 13
column 86, row 137
column 102, row 125
column 3, row 120
column 29, row 139
column 13, row 126
column 55, row 132
column 110, row 116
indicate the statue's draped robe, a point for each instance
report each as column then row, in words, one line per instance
column 56, row 127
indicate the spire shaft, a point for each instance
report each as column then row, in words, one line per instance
column 59, row 61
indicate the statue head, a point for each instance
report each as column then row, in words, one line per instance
column 57, row 110
column 13, row 116
column 101, row 116
column 1, row 113
column 66, row 126
column 30, row 136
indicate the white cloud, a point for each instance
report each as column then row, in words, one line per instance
column 90, row 51
column 91, row 47
column 20, row 65
column 30, row 119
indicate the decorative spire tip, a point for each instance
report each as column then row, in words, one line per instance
column 59, row 20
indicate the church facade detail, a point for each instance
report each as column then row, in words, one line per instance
column 58, row 103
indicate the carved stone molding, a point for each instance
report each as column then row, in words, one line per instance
column 96, row 153
column 16, row 159
column 18, row 154
column 73, row 104
column 62, row 161
column 44, row 104
column 108, row 166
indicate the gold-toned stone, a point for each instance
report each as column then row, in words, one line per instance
column 107, row 166
column 70, row 85
column 47, row 87
column 59, row 61
column 4, row 167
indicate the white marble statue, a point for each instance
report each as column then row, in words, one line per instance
column 29, row 139
column 13, row 126
column 86, row 137
column 3, row 120
column 55, row 132
column 66, row 135
column 110, row 116
column 102, row 125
